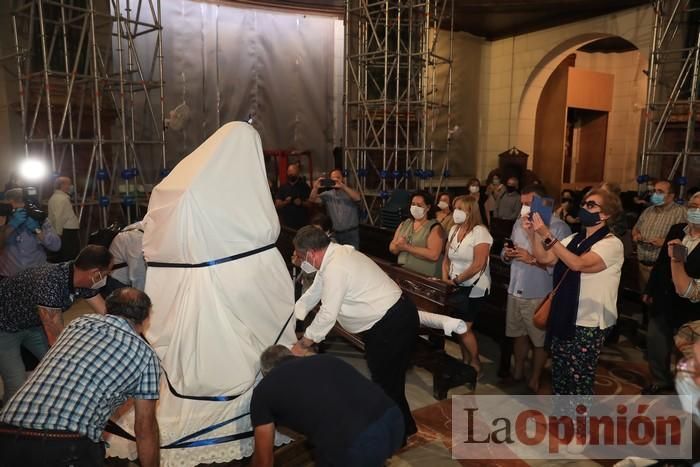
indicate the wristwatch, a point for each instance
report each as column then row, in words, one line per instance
column 549, row 242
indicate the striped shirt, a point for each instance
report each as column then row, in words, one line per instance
column 655, row 222
column 97, row 363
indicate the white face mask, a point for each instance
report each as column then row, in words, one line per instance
column 443, row 205
column 307, row 267
column 417, row 212
column 524, row 211
column 459, row 216
column 100, row 283
column 474, row 189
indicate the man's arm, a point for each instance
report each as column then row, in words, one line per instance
column 146, row 432
column 264, row 445
column 49, row 238
column 52, row 321
column 97, row 303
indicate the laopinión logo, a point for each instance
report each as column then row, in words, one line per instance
column 558, row 427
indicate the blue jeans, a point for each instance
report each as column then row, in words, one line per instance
column 11, row 365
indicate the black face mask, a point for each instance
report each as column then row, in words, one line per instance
column 292, row 179
column 566, row 200
column 510, row 189
column 589, row 219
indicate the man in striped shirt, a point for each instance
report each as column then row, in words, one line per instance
column 98, row 362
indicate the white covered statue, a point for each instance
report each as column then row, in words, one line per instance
column 210, row 323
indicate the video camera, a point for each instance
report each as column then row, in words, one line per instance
column 31, row 204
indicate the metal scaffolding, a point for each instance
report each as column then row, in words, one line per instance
column 398, row 79
column 672, row 94
column 90, row 76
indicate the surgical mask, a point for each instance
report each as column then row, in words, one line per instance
column 694, row 216
column 71, row 190
column 473, row 189
column 100, row 283
column 524, row 210
column 307, row 267
column 510, row 188
column 657, row 199
column 418, row 212
column 443, row 205
column 496, row 181
column 588, row 219
column 459, row 216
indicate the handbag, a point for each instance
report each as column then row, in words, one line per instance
column 541, row 314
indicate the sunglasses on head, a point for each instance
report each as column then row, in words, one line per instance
column 590, row 205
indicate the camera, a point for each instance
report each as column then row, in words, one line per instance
column 31, row 205
column 327, row 183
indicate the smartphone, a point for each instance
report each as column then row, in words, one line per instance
column 680, row 252
column 544, row 207
column 327, row 183
column 509, row 243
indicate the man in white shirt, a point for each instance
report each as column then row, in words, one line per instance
column 63, row 219
column 354, row 291
column 129, row 265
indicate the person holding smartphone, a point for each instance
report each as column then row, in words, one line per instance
column 673, row 293
column 529, row 283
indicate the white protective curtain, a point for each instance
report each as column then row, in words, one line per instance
column 230, row 62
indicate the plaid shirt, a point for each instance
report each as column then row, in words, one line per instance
column 655, row 222
column 97, row 363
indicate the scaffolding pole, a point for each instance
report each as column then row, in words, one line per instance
column 672, row 108
column 84, row 93
column 397, row 96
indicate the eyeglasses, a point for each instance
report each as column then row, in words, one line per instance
column 590, row 205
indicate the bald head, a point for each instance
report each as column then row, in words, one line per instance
column 63, row 184
column 129, row 303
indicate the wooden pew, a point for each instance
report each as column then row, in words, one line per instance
column 428, row 295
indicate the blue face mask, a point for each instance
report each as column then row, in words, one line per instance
column 657, row 199
column 694, row 216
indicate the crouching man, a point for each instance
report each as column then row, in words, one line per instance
column 98, row 362
column 348, row 419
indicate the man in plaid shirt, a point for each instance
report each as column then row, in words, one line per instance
column 98, row 362
column 652, row 227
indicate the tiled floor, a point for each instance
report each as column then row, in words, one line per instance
column 622, row 371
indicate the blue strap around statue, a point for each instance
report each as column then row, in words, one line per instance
column 214, row 262
column 185, row 442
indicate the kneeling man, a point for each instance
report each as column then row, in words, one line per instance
column 58, row 416
column 349, row 419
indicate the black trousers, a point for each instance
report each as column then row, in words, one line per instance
column 26, row 451
column 388, row 348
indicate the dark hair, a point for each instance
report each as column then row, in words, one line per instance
column 472, row 180
column 671, row 188
column 570, row 191
column 336, row 170
column 310, row 238
column 322, row 220
column 93, row 256
column 129, row 303
column 428, row 198
column 272, row 356
column 533, row 188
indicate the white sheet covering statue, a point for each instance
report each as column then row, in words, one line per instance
column 210, row 324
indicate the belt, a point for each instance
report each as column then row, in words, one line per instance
column 346, row 230
column 30, row 433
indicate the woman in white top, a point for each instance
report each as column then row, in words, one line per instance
column 466, row 266
column 588, row 264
